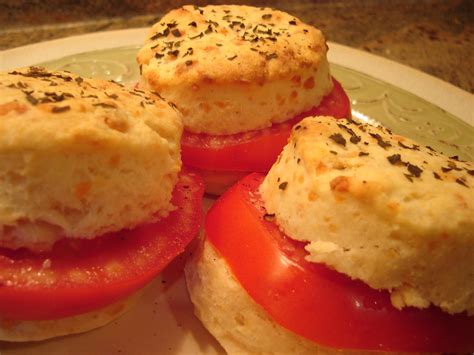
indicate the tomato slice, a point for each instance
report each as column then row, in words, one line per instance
column 313, row 301
column 83, row 275
column 254, row 151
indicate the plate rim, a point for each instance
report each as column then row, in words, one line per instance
column 434, row 90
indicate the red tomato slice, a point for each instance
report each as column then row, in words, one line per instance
column 254, row 150
column 82, row 275
column 313, row 301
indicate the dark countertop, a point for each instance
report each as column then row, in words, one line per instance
column 434, row 36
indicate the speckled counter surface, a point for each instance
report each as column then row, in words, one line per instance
column 434, row 36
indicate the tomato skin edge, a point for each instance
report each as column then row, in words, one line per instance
column 313, row 301
column 150, row 248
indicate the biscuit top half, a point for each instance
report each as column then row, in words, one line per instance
column 380, row 208
column 81, row 157
column 59, row 102
column 204, row 58
column 230, row 44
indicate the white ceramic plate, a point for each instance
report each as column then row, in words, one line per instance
column 408, row 101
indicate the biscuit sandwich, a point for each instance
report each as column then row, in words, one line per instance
column 93, row 200
column 242, row 77
column 357, row 240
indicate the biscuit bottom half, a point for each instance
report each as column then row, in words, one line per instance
column 36, row 330
column 239, row 324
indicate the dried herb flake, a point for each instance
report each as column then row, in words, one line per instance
column 271, row 56
column 157, row 35
column 31, row 99
column 354, row 139
column 409, row 177
column 414, row 147
column 395, row 159
column 462, row 182
column 414, row 170
column 200, row 35
column 104, row 105
column 112, row 96
column 338, row 138
column 59, row 109
column 380, row 141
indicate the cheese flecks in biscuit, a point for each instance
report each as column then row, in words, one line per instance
column 380, row 208
column 81, row 157
column 232, row 69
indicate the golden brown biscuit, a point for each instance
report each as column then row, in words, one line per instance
column 81, row 157
column 380, row 208
column 232, row 68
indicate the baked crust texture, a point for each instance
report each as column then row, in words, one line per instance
column 232, row 69
column 81, row 157
column 380, row 208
